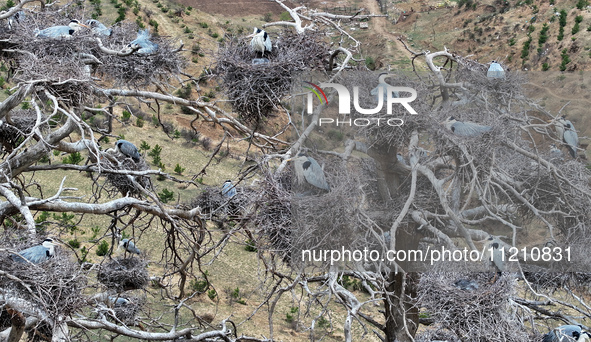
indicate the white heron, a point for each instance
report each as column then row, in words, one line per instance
column 260, row 41
column 564, row 333
column 465, row 129
column 143, row 41
column 128, row 149
column 495, row 70
column 98, row 28
column 37, row 254
column 56, row 32
column 307, row 169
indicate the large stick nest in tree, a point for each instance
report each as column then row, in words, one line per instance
column 63, row 64
column 124, row 274
column 53, row 287
column 19, row 123
column 472, row 314
column 257, row 89
column 291, row 217
column 127, row 185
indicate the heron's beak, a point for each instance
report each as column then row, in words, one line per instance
column 250, row 36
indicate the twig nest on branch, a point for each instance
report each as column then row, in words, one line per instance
column 124, row 274
column 256, row 85
column 111, row 159
column 14, row 126
column 472, row 312
column 53, row 286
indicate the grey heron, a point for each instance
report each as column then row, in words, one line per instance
column 495, row 255
column 566, row 132
column 128, row 149
column 143, row 41
column 382, row 88
column 466, row 285
column 260, row 41
column 129, row 246
column 465, row 128
column 98, row 28
column 495, row 70
column 228, row 189
column 257, row 61
column 117, row 301
column 555, row 152
column 37, row 254
column 61, row 31
column 401, row 159
column 307, row 169
column 566, row 333
column 16, row 18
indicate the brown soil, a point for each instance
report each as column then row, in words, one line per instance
column 236, row 7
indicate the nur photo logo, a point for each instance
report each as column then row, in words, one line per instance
column 384, row 94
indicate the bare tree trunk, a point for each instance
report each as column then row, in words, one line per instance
column 18, row 325
column 402, row 316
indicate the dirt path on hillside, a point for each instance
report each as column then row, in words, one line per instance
column 382, row 27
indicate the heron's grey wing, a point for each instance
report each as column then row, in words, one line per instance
column 572, row 139
column 469, row 129
column 228, row 190
column 498, row 259
column 550, row 337
column 132, row 248
column 268, row 45
column 35, row 254
column 55, row 32
column 495, row 71
column 314, row 174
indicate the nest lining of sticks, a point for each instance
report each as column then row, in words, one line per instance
column 256, row 90
column 17, row 124
column 471, row 314
column 124, row 274
column 64, row 63
column 53, row 287
column 113, row 160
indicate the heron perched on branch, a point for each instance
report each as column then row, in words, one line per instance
column 308, row 170
column 37, row 254
column 495, row 70
column 143, row 41
column 465, row 129
column 566, row 333
column 61, row 31
column 260, row 41
column 128, row 149
column 98, row 28
column 567, row 133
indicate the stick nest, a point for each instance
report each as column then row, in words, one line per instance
column 127, row 185
column 472, row 314
column 124, row 274
column 53, row 288
column 256, row 90
column 21, row 123
column 69, row 68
